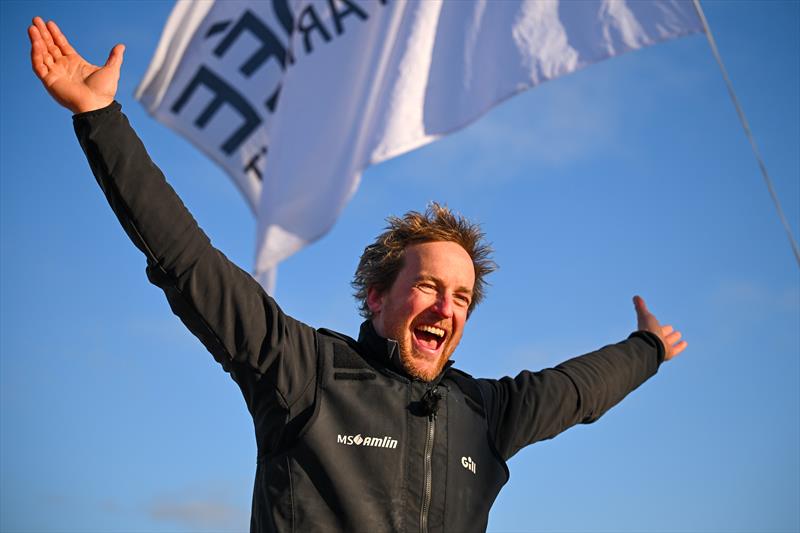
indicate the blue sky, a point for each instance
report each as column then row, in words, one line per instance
column 631, row 176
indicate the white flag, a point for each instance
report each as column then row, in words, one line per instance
column 296, row 98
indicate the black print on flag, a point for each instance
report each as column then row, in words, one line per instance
column 271, row 47
column 223, row 94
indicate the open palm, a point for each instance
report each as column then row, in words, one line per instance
column 71, row 80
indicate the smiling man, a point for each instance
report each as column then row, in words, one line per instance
column 418, row 284
column 425, row 309
column 374, row 434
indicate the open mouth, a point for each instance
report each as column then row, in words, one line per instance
column 429, row 337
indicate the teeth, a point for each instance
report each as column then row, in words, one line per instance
column 433, row 330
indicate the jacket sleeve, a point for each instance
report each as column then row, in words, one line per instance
column 242, row 327
column 536, row 406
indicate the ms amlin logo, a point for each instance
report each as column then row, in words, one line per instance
column 375, row 442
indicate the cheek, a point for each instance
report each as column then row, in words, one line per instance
column 459, row 323
column 415, row 304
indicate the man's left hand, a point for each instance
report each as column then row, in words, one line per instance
column 670, row 338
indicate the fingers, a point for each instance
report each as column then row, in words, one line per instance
column 678, row 348
column 671, row 341
column 672, row 337
column 59, row 39
column 47, row 38
column 38, row 52
column 38, row 23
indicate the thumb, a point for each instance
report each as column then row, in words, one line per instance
column 641, row 311
column 114, row 60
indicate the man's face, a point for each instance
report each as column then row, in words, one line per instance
column 426, row 308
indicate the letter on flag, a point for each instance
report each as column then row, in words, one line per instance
column 295, row 98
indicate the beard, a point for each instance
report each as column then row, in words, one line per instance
column 416, row 365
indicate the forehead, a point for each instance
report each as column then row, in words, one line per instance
column 445, row 261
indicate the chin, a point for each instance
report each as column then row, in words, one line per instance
column 422, row 372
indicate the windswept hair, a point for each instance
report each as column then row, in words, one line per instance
column 383, row 259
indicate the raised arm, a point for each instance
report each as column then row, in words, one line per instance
column 222, row 305
column 539, row 405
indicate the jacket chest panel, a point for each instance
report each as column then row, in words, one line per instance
column 349, row 466
column 474, row 474
column 374, row 459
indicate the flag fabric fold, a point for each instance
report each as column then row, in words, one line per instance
column 294, row 99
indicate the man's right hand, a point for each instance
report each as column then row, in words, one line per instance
column 71, row 80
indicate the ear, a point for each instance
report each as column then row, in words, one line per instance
column 374, row 300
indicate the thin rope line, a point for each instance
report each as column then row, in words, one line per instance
column 747, row 131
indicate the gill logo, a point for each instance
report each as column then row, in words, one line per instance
column 469, row 464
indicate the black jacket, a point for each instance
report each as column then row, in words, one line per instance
column 346, row 441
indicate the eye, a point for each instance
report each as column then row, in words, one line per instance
column 426, row 286
column 462, row 299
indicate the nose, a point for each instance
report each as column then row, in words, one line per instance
column 444, row 305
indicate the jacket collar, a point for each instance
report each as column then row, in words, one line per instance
column 387, row 351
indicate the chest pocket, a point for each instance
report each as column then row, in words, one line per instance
column 475, row 472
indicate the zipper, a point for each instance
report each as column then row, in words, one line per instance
column 426, row 495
